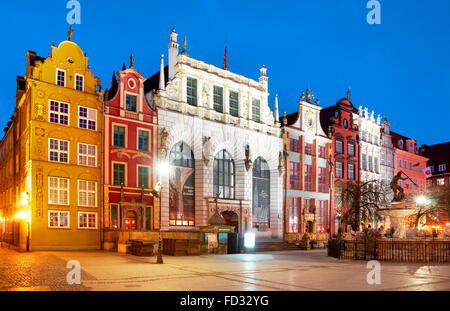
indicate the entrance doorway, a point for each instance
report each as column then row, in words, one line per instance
column 130, row 220
column 232, row 219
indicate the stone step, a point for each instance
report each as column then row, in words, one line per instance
column 270, row 246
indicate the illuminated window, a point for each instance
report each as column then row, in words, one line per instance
column 87, row 118
column 351, row 171
column 295, row 175
column 321, row 216
column 58, row 191
column 60, row 77
column 339, row 169
column 293, row 215
column 442, row 167
column 143, row 177
column 87, row 155
column 87, row 220
column 58, row 219
column 223, row 179
column 87, row 193
column 308, row 148
column 295, row 145
column 308, row 177
column 308, row 206
column 441, row 182
column 322, row 152
column 114, row 216
column 59, row 112
column 119, row 174
column 364, row 162
column 322, row 179
column 58, row 150
column 218, row 99
column 339, row 146
column 79, row 82
column 351, row 149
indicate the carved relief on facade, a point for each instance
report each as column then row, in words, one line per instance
column 208, row 156
column 39, row 193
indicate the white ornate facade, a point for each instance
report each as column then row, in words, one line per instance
column 370, row 144
column 387, row 157
column 225, row 121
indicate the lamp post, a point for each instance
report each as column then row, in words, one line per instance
column 163, row 167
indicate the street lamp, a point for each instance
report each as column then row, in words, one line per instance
column 25, row 215
column 163, row 168
column 421, row 200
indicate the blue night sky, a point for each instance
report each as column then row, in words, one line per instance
column 400, row 68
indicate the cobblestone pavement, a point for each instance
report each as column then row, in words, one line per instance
column 278, row 271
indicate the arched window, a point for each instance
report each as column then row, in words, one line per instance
column 224, row 175
column 182, row 186
column 261, row 193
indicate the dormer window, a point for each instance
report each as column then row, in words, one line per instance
column 442, row 167
column 218, row 99
column 131, row 101
column 60, row 77
column 191, row 91
column 400, row 144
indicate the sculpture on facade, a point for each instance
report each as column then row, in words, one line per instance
column 248, row 158
column 208, row 156
column 163, row 144
column 399, row 193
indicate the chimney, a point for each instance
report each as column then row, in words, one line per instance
column 173, row 53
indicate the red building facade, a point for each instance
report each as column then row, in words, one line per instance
column 338, row 123
column 130, row 155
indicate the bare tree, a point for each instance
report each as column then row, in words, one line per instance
column 438, row 208
column 361, row 200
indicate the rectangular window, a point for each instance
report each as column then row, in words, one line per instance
column 339, row 170
column 364, row 162
column 114, row 216
column 87, row 193
column 58, row 219
column 59, row 112
column 295, row 145
column 441, row 182
column 191, row 91
column 442, row 167
column 383, row 158
column 295, row 175
column 79, row 82
column 119, row 136
column 293, row 215
column 58, row 191
column 256, row 110
column 351, row 149
column 370, row 163
column 143, row 177
column 131, row 101
column 218, row 99
column 60, row 77
column 87, row 118
column 119, row 174
column 143, row 140
column 322, row 179
column 351, row 171
column 87, row 220
column 308, row 177
column 148, row 218
column 58, row 150
column 339, row 146
column 322, row 152
column 308, row 206
column 321, row 216
column 375, row 163
column 308, row 148
column 87, row 155
column 234, row 104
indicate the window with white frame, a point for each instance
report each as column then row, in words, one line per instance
column 87, row 155
column 351, row 149
column 58, row 150
column 58, row 191
column 79, row 82
column 218, row 98
column 58, row 219
column 339, row 146
column 351, row 171
column 59, row 112
column 60, row 77
column 442, row 167
column 87, row 220
column 339, row 169
column 256, row 110
column 441, row 182
column 87, row 193
column 87, row 118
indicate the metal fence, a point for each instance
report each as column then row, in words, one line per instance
column 437, row 251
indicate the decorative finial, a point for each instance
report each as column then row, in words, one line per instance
column 303, row 96
column 131, row 61
column 349, row 94
column 225, row 60
column 309, row 96
column 317, row 101
column 70, row 33
column 285, row 118
column 113, row 79
column 124, row 67
column 174, row 30
column 185, row 51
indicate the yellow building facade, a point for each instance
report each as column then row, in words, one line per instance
column 50, row 157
